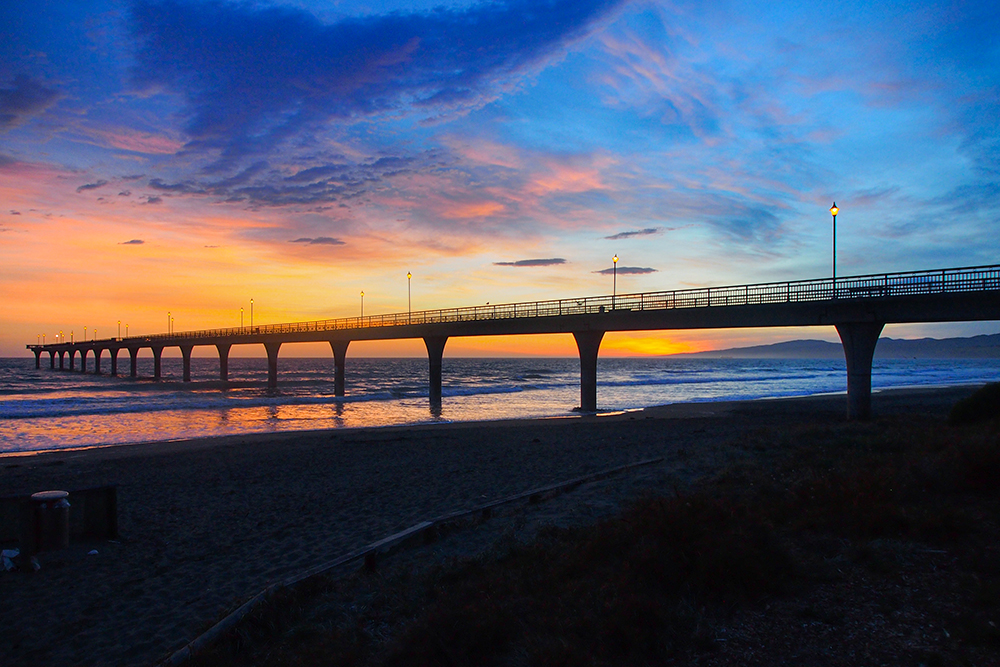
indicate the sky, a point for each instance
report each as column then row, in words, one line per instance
column 185, row 157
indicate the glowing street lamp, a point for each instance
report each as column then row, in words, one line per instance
column 119, row 329
column 126, row 330
column 85, row 334
column 409, row 302
column 614, row 281
column 362, row 304
column 251, row 314
column 241, row 318
column 833, row 211
column 168, row 321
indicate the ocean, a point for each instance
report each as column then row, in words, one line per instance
column 44, row 409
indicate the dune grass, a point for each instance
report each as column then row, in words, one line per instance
column 770, row 549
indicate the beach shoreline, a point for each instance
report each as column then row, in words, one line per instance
column 677, row 410
column 206, row 524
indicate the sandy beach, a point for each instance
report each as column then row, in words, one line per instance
column 207, row 524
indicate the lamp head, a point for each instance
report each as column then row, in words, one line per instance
column 408, row 275
column 834, row 210
column 615, row 259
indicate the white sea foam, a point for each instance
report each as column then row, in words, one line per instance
column 45, row 409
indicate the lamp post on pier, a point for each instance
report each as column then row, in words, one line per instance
column 241, row 318
column 362, row 304
column 251, row 314
column 119, row 329
column 614, row 280
column 409, row 302
column 833, row 211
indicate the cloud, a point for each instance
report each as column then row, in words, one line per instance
column 649, row 231
column 628, row 270
column 92, row 186
column 125, row 193
column 182, row 188
column 152, row 199
column 252, row 77
column 25, row 99
column 132, row 242
column 13, row 212
column 319, row 240
column 533, row 262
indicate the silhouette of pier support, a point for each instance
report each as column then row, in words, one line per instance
column 157, row 361
column 588, row 342
column 114, row 360
column 38, row 359
column 435, row 352
column 62, row 359
column 272, row 364
column 339, row 361
column 186, row 356
column 83, row 360
column 52, row 360
column 859, row 339
column 223, row 349
column 72, row 360
column 133, row 353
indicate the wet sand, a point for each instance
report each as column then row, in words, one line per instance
column 207, row 524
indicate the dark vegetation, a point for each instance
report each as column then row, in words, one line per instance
column 983, row 405
column 846, row 544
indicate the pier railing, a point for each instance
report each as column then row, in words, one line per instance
column 876, row 286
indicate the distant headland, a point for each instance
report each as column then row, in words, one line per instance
column 977, row 347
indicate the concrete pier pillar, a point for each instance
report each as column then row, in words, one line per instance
column 859, row 339
column 186, row 355
column 52, row 360
column 339, row 364
column 435, row 352
column 38, row 359
column 589, row 343
column 62, row 359
column 272, row 364
column 133, row 353
column 83, row 360
column 97, row 360
column 72, row 360
column 223, row 349
column 114, row 360
column 157, row 365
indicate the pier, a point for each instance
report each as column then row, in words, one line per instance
column 858, row 306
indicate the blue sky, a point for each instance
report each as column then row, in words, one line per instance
column 188, row 156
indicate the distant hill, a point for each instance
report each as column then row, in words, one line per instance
column 976, row 347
